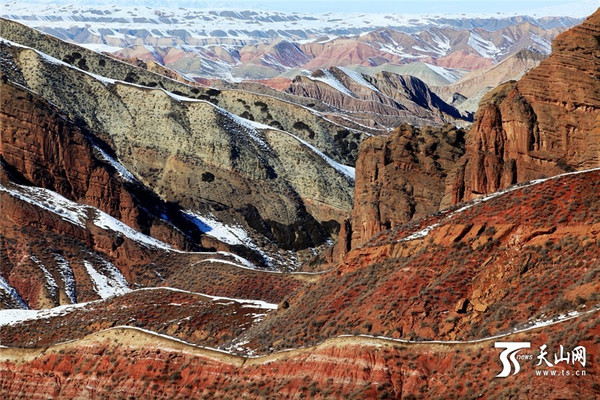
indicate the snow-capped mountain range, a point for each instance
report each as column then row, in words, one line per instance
column 265, row 44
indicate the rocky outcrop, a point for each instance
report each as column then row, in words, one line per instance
column 401, row 177
column 544, row 124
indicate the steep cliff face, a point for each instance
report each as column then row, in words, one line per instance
column 46, row 149
column 52, row 156
column 546, row 123
column 401, row 177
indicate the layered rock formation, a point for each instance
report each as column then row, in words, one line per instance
column 269, row 111
column 198, row 155
column 130, row 363
column 41, row 147
column 500, row 266
column 61, row 187
column 546, row 123
column 258, row 45
column 401, row 177
column 474, row 85
column 385, row 100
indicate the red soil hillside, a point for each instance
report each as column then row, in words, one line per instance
column 408, row 305
column 545, row 124
column 343, row 52
column 127, row 363
column 44, row 257
column 464, row 60
column 191, row 317
column 480, row 269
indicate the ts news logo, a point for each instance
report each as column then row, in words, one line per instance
column 510, row 358
column 510, row 353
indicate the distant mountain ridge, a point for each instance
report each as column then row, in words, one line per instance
column 259, row 44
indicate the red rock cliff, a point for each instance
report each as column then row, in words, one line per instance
column 545, row 124
column 398, row 178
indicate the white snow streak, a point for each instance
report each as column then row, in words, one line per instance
column 543, row 44
column 109, row 285
column 121, row 170
column 103, row 220
column 50, row 281
column 332, row 81
column 358, row 78
column 10, row 317
column 229, row 234
column 12, row 292
column 445, row 73
column 482, row 46
column 50, row 201
column 66, row 273
column 345, row 170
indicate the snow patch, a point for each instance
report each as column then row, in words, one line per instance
column 220, row 261
column 442, row 42
column 77, row 214
column 484, row 47
column 109, row 285
column 448, row 74
column 234, row 235
column 50, row 201
column 250, row 128
column 121, row 170
column 542, row 43
column 103, row 220
column 100, row 47
column 230, row 234
column 332, row 81
column 66, row 273
column 348, row 172
column 358, row 78
column 11, row 317
column 245, row 302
